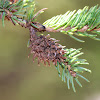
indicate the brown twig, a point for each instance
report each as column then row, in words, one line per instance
column 39, row 12
column 84, row 29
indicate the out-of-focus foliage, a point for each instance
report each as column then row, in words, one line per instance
column 17, row 11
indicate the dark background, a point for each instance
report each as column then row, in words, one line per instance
column 21, row 79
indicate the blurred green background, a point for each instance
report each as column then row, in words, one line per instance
column 21, row 79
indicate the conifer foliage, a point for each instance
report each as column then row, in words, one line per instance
column 47, row 49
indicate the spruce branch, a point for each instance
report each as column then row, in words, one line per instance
column 46, row 49
column 77, row 23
